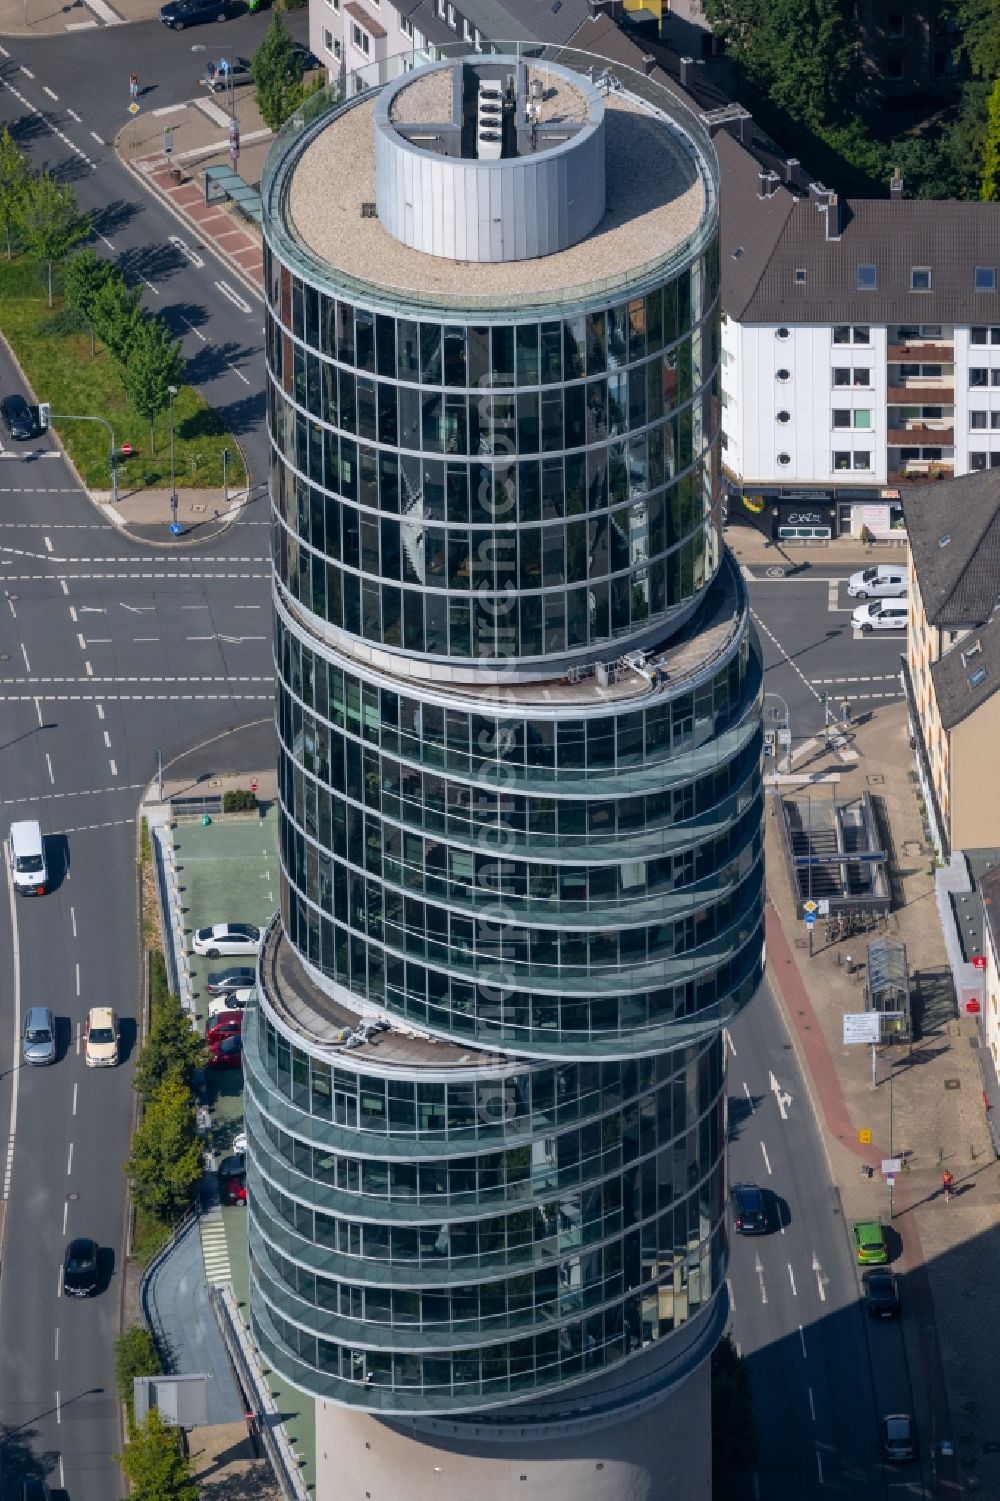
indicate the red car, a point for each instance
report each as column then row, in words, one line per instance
column 226, row 1052
column 233, row 1179
column 226, row 1024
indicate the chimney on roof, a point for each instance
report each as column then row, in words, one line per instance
column 768, row 183
column 832, row 217
column 648, row 63
column 896, row 186
column 686, row 71
column 744, row 124
column 791, row 170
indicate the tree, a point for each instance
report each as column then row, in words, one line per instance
column 154, row 1465
column 979, row 27
column 734, row 1442
column 165, row 1164
column 135, row 1355
column 172, row 1047
column 52, row 221
column 277, row 69
column 800, row 53
column 989, row 190
column 154, row 364
column 83, row 279
column 117, row 313
column 14, row 179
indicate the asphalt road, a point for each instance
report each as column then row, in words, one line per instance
column 810, row 647
column 823, row 1373
column 107, row 651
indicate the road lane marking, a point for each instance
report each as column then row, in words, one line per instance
column 65, row 586
column 732, row 1300
column 75, row 1087
column 73, row 615
column 57, row 1326
column 791, row 1278
column 82, row 640
column 784, row 655
column 27, row 72
column 72, row 918
column 62, row 1475
column 759, row 1269
column 38, row 711
column 802, row 1342
column 69, row 1160
column 88, row 669
column 107, row 739
column 820, row 1279
column 78, row 978
column 114, row 768
column 100, row 711
column 746, row 1091
column 65, row 1216
column 24, row 654
column 78, row 1039
column 729, row 1041
column 58, row 1409
column 59, row 1283
column 783, row 1098
column 767, row 1163
column 48, row 762
column 234, row 297
column 812, row 1405
column 819, row 1466
column 48, row 544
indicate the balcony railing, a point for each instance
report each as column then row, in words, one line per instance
column 936, row 437
column 939, row 354
column 935, row 470
column 921, row 394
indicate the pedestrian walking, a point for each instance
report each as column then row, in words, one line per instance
column 948, row 1184
column 133, row 86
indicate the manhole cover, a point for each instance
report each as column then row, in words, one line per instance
column 71, row 1197
column 876, row 781
column 4, row 656
column 952, row 1083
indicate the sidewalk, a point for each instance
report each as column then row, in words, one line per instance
column 937, row 1111
column 199, row 136
column 52, row 18
column 753, row 550
column 145, row 515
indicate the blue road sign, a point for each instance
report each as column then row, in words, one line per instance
column 810, row 919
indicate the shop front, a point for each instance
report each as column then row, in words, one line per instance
column 814, row 515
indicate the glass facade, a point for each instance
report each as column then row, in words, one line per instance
column 519, row 724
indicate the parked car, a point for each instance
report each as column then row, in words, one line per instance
column 898, row 1437
column 869, row 1243
column 226, row 74
column 884, row 581
column 749, row 1209
column 38, row 1037
column 237, row 977
column 310, row 62
column 232, row 1175
column 881, row 1294
column 100, row 1038
column 17, row 418
column 233, row 1000
column 881, row 616
column 227, row 1052
column 227, row 938
column 180, row 13
column 227, row 1024
column 80, row 1267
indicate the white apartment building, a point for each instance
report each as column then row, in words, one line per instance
column 860, row 349
column 384, row 37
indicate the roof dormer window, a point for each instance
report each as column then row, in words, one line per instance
column 920, row 278
column 867, row 278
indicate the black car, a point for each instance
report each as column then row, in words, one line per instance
column 80, row 1268
column 34, row 1488
column 237, row 977
column 881, row 1293
column 17, row 418
column 749, row 1209
column 310, row 62
column 898, row 1437
column 180, row 13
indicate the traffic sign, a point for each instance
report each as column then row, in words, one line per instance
column 133, row 108
column 865, row 1136
column 810, row 919
column 253, row 786
column 861, row 1026
column 127, row 450
column 890, row 1179
column 892, row 1165
column 810, row 906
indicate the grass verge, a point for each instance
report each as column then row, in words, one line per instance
column 54, row 352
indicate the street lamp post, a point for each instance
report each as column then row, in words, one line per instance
column 75, row 417
column 174, row 523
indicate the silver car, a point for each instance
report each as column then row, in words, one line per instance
column 38, row 1040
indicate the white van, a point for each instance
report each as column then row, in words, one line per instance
column 27, row 858
column 881, row 616
column 884, row 581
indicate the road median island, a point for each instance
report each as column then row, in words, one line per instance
column 52, row 347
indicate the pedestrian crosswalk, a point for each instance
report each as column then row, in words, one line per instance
column 215, row 1250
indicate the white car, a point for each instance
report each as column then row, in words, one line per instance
column 227, row 938
column 100, row 1038
column 881, row 615
column 234, row 1000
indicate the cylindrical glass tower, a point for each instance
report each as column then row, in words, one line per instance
column 520, row 769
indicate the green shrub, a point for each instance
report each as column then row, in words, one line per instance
column 239, row 800
column 135, row 1355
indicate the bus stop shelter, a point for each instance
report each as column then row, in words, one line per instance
column 888, row 989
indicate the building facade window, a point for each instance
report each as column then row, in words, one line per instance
column 985, row 278
column 360, row 39
column 851, row 376
column 867, row 278
column 845, row 333
column 984, row 335
column 920, row 278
